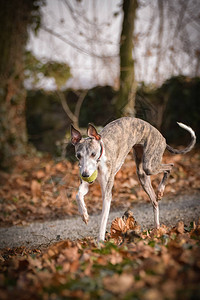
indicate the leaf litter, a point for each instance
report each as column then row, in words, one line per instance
column 39, row 188
column 131, row 264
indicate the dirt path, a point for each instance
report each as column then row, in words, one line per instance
column 182, row 207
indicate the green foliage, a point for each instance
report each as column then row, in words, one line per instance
column 107, row 249
column 35, row 67
column 35, row 20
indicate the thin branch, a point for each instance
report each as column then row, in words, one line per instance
column 174, row 64
column 160, row 37
column 80, row 18
column 66, row 107
column 180, row 18
column 73, row 45
column 73, row 116
column 79, row 103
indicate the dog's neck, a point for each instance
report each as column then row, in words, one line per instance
column 101, row 151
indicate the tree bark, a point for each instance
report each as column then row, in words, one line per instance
column 126, row 99
column 14, row 19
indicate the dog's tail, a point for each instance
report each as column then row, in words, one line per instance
column 191, row 144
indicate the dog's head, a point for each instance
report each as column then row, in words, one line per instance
column 87, row 150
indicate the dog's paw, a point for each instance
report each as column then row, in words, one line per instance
column 85, row 218
column 100, row 243
column 159, row 196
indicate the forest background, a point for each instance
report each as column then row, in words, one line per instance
column 93, row 61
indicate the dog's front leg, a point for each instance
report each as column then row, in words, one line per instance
column 83, row 189
column 107, row 197
column 156, row 214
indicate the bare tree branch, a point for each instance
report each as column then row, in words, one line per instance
column 89, row 53
column 79, row 103
column 66, row 107
column 73, row 116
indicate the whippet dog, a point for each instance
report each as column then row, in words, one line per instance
column 102, row 155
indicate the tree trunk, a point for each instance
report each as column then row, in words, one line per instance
column 15, row 15
column 126, row 99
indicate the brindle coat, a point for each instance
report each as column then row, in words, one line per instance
column 107, row 151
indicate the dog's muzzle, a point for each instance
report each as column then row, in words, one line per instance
column 90, row 179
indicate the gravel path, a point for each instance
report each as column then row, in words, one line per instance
column 182, row 207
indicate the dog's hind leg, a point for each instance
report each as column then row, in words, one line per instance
column 152, row 164
column 146, row 183
column 166, row 169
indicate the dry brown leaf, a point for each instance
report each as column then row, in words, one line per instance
column 131, row 223
column 121, row 225
column 158, row 232
column 35, row 188
column 71, row 254
column 152, row 294
column 169, row 288
column 180, row 227
column 118, row 225
column 36, row 263
column 39, row 174
column 21, row 182
column 74, row 266
column 60, row 167
column 118, row 284
column 115, row 258
column 45, row 278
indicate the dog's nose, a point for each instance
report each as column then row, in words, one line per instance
column 85, row 174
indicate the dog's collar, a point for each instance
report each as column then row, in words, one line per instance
column 101, row 152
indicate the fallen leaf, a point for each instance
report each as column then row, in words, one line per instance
column 152, row 294
column 71, row 254
column 117, row 227
column 35, row 189
column 118, row 284
column 180, row 227
column 115, row 258
column 126, row 223
column 39, row 174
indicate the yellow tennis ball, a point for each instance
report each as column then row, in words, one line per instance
column 91, row 178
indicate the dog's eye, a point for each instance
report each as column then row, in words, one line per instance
column 78, row 155
column 93, row 154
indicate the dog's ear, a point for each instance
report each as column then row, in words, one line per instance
column 91, row 131
column 75, row 136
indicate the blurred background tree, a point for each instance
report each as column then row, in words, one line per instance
column 15, row 17
column 162, row 40
column 125, row 104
